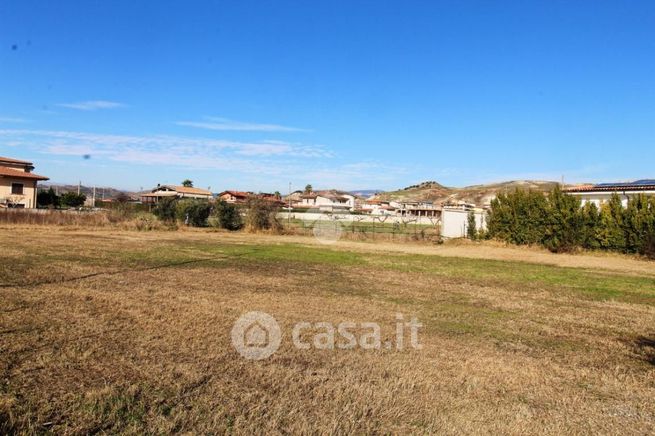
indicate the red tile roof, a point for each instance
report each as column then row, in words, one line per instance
column 16, row 161
column 183, row 190
column 238, row 194
column 610, row 188
column 10, row 172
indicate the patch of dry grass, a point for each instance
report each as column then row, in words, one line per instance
column 129, row 332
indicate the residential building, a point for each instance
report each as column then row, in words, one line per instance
column 328, row 201
column 234, row 197
column 377, row 207
column 167, row 191
column 417, row 209
column 18, row 184
column 602, row 192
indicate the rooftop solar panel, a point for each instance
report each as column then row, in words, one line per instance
column 643, row 182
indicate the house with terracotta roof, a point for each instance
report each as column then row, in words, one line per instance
column 18, row 184
column 174, row 191
column 602, row 192
column 234, row 197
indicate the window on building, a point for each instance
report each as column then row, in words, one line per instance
column 17, row 189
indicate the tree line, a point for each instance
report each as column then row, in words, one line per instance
column 559, row 222
column 256, row 215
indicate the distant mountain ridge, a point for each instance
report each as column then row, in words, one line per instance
column 365, row 193
column 101, row 192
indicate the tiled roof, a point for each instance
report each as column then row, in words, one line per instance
column 238, row 194
column 16, row 161
column 186, row 190
column 639, row 185
column 10, row 172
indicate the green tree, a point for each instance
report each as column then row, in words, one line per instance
column 193, row 212
column 610, row 233
column 187, row 183
column 47, row 198
column 72, row 199
column 518, row 217
column 227, row 216
column 308, row 189
column 591, row 225
column 165, row 209
column 471, row 226
column 564, row 222
column 638, row 219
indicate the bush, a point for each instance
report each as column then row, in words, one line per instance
column 518, row 217
column 193, row 212
column 165, row 209
column 471, row 226
column 227, row 216
column 262, row 215
column 72, row 199
column 591, row 225
column 47, row 198
column 564, row 222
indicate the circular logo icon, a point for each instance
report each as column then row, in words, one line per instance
column 327, row 230
column 256, row 335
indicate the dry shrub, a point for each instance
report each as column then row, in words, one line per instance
column 262, row 216
column 112, row 218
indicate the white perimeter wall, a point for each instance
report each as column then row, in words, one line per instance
column 454, row 222
column 345, row 217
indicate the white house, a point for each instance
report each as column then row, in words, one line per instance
column 601, row 193
column 378, row 207
column 328, row 201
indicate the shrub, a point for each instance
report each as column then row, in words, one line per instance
column 638, row 223
column 72, row 199
column 47, row 198
column 262, row 215
column 610, row 233
column 518, row 217
column 471, row 226
column 193, row 212
column 165, row 209
column 227, row 216
column 564, row 224
column 591, row 225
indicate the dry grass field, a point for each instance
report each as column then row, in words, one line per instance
column 106, row 332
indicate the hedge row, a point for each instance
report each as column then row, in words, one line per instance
column 559, row 222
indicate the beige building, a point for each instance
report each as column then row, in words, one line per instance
column 163, row 191
column 18, row 183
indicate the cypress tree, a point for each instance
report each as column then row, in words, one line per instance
column 564, row 222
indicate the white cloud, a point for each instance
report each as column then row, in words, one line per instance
column 224, row 124
column 161, row 149
column 13, row 120
column 92, row 105
column 274, row 162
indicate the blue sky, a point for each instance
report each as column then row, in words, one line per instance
column 346, row 94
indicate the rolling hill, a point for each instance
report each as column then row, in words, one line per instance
column 476, row 194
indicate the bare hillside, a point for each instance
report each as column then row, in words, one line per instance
column 476, row 194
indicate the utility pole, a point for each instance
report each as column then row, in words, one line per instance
column 289, row 210
column 94, row 196
column 79, row 187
